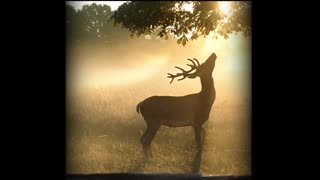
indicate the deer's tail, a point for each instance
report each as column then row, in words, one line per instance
column 138, row 107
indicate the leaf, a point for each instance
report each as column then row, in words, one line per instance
column 194, row 36
column 179, row 40
column 166, row 38
column 184, row 41
column 185, row 30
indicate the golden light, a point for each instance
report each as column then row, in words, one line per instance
column 188, row 7
column 225, row 7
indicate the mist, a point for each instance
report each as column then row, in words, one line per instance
column 105, row 83
column 140, row 62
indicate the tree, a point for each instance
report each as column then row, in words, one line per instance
column 170, row 18
column 90, row 24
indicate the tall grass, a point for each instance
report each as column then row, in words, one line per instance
column 103, row 132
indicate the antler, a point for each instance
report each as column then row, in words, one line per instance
column 184, row 72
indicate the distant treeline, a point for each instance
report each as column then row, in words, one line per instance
column 90, row 25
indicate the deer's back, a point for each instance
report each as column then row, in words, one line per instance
column 172, row 111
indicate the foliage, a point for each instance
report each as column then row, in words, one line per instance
column 169, row 18
column 90, row 24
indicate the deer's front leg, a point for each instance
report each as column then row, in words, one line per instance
column 203, row 135
column 198, row 136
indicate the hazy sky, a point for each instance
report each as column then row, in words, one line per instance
column 113, row 4
column 139, row 61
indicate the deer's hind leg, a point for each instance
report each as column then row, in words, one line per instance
column 147, row 138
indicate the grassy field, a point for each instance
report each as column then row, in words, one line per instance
column 103, row 131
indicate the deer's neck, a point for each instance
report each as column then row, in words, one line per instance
column 207, row 88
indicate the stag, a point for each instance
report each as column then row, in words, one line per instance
column 180, row 111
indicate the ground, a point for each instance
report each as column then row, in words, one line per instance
column 103, row 132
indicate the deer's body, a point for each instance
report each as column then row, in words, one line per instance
column 179, row 111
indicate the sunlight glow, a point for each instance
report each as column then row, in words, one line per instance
column 184, row 7
column 225, row 7
column 189, row 35
column 188, row 7
column 98, row 75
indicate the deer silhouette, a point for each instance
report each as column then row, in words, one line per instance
column 180, row 111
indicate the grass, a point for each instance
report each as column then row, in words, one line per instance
column 103, row 132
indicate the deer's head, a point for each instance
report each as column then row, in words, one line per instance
column 197, row 70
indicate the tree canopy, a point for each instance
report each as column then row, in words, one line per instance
column 165, row 18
